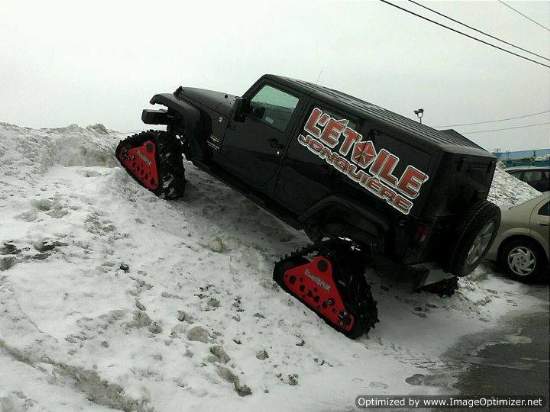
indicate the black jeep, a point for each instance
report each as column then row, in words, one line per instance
column 360, row 180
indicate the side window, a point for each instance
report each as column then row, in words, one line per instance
column 536, row 178
column 531, row 175
column 274, row 107
column 545, row 210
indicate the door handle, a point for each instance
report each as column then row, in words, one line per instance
column 274, row 143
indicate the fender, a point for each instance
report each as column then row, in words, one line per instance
column 372, row 225
column 189, row 114
column 188, row 119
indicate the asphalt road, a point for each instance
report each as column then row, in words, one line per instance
column 515, row 360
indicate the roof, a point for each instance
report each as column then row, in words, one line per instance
column 377, row 113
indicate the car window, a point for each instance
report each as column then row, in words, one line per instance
column 275, row 106
column 518, row 174
column 532, row 176
column 537, row 179
column 545, row 210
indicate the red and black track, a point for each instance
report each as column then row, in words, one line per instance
column 141, row 162
column 154, row 160
column 328, row 277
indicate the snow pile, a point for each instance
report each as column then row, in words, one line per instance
column 508, row 191
column 114, row 299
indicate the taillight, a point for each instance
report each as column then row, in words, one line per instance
column 422, row 232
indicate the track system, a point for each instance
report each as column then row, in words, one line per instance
column 328, row 277
column 154, row 159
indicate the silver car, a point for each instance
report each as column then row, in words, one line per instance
column 521, row 246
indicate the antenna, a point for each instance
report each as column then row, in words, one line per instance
column 320, row 73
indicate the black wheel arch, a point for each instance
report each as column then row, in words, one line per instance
column 189, row 114
column 336, row 216
column 189, row 121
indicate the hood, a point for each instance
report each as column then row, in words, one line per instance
column 219, row 102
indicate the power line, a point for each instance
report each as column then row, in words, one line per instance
column 521, row 14
column 464, row 34
column 506, row 128
column 523, row 116
column 477, row 30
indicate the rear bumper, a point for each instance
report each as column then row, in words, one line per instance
column 430, row 273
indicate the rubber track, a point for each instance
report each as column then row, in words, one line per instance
column 169, row 161
column 354, row 288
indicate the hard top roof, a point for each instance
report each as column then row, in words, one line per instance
column 448, row 138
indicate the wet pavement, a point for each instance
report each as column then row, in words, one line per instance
column 517, row 365
column 513, row 359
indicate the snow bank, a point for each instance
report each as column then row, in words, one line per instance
column 114, row 299
column 508, row 191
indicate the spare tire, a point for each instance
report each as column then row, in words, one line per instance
column 473, row 237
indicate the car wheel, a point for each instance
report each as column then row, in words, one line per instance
column 523, row 259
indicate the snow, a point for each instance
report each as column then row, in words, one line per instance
column 507, row 191
column 77, row 332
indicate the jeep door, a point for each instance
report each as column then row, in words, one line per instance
column 252, row 149
column 305, row 179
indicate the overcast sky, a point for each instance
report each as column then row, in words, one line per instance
column 66, row 62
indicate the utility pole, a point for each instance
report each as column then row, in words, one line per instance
column 419, row 113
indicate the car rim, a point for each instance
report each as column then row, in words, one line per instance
column 522, row 261
column 481, row 243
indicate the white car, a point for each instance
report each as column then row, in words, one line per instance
column 521, row 246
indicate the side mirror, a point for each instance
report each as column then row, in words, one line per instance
column 242, row 108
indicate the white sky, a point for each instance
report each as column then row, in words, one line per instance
column 66, row 62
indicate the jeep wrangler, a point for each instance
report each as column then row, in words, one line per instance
column 360, row 180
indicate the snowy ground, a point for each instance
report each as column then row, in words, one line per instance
column 195, row 323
